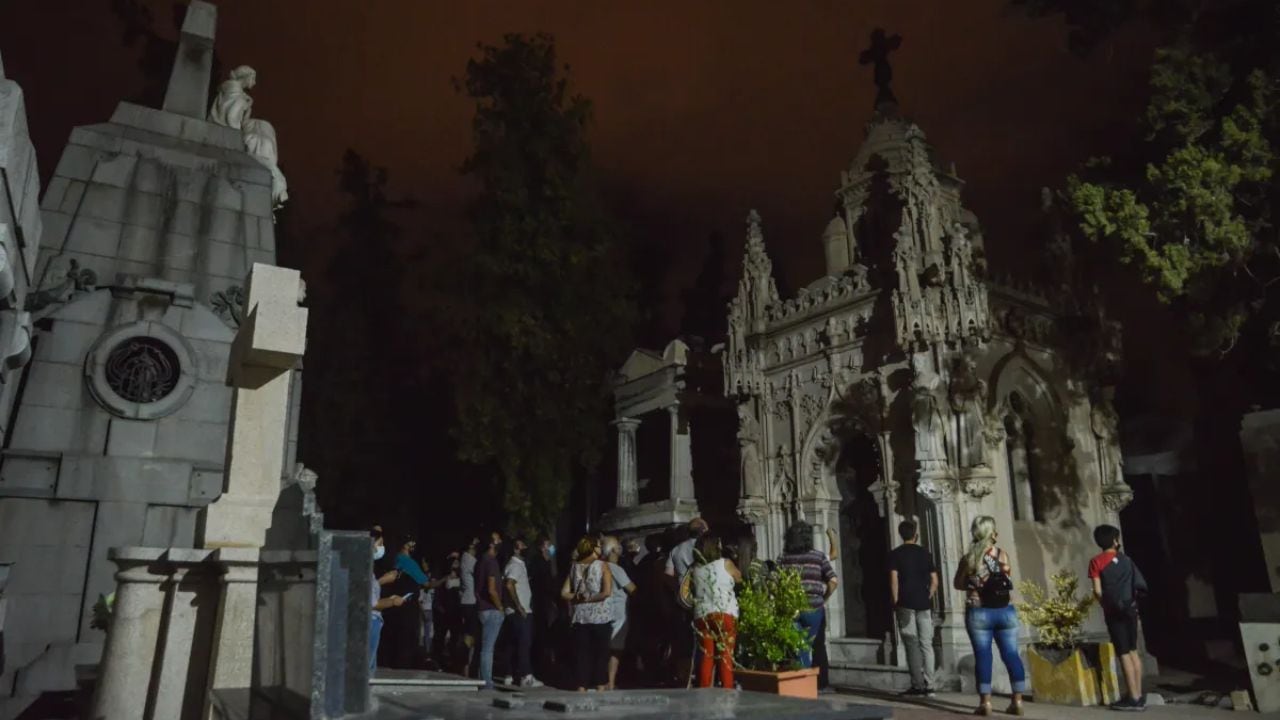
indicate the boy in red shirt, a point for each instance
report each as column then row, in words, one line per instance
column 1117, row 584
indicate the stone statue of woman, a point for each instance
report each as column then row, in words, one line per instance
column 1106, row 428
column 968, row 394
column 749, row 453
column 233, row 105
column 930, row 430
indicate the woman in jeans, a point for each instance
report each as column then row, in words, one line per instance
column 983, row 560
column 715, row 609
column 586, row 588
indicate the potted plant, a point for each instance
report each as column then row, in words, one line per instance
column 769, row 642
column 1064, row 671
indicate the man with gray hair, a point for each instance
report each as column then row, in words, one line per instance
column 683, row 649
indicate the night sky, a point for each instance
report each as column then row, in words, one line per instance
column 703, row 109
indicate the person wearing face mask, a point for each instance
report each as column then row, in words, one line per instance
column 545, row 590
column 378, row 603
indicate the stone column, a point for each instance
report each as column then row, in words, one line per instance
column 681, row 459
column 628, row 487
column 182, row 648
column 231, row 657
column 944, row 534
column 129, row 657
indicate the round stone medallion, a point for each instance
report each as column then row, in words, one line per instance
column 141, row 371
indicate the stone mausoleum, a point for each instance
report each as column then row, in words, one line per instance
column 904, row 383
column 115, row 340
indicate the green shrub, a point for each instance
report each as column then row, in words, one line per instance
column 768, row 638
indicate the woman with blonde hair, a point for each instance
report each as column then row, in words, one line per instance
column 984, row 577
column 587, row 587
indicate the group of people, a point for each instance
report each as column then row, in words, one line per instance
column 667, row 613
column 490, row 603
column 984, row 575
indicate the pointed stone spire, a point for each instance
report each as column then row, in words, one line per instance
column 757, row 289
column 188, row 92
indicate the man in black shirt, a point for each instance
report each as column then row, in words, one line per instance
column 913, row 581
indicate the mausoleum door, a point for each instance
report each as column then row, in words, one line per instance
column 864, row 542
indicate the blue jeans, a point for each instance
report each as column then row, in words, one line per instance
column 1000, row 624
column 490, row 626
column 811, row 622
column 375, row 633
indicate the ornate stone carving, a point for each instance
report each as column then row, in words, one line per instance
column 75, row 281
column 229, row 305
column 810, row 407
column 978, row 485
column 1116, row 497
column 935, row 488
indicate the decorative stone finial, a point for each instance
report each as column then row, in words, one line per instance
column 753, row 226
column 878, row 55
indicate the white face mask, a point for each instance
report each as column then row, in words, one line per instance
column 379, row 551
column 551, row 550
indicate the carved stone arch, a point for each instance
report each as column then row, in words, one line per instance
column 1017, row 370
column 1043, row 481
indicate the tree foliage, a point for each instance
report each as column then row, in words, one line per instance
column 1190, row 206
column 546, row 310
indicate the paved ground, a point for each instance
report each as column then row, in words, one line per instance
column 949, row 705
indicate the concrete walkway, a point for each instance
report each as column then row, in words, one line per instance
column 950, row 705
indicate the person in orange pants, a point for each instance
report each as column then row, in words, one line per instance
column 717, row 632
column 715, row 610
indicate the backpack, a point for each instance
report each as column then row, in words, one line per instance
column 994, row 593
column 995, row 590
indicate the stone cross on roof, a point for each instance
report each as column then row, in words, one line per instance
column 188, row 92
column 878, row 55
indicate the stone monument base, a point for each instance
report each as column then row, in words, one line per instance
column 647, row 518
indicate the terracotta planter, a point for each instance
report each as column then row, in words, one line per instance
column 789, row 683
column 1083, row 676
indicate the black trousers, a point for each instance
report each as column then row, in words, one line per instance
column 517, row 640
column 591, row 654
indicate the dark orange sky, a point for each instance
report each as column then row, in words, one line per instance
column 703, row 109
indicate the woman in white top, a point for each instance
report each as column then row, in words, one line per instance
column 715, row 611
column 586, row 588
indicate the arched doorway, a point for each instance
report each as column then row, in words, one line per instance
column 863, row 562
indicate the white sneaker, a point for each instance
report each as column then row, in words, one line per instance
column 530, row 681
column 508, row 680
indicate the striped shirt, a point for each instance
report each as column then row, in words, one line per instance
column 815, row 572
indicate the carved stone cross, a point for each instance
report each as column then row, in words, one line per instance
column 188, row 90
column 271, row 340
column 878, row 55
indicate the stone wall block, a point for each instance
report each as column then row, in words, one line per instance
column 94, row 236
column 131, row 438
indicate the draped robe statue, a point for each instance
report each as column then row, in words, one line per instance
column 233, row 108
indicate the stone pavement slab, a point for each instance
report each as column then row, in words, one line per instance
column 950, row 705
column 619, row 705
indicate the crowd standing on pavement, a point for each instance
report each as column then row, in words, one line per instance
column 661, row 611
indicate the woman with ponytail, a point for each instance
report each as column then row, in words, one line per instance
column 984, row 577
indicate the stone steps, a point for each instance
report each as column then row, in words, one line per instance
column 886, row 678
column 860, row 651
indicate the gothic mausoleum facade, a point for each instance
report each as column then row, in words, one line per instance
column 906, row 383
